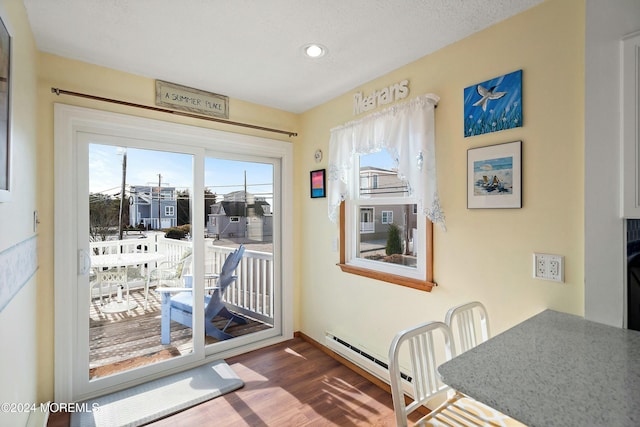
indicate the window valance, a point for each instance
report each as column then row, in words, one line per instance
column 407, row 131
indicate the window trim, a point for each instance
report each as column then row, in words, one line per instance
column 168, row 208
column 424, row 285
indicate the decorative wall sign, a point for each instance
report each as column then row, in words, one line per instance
column 194, row 100
column 494, row 176
column 318, row 183
column 5, row 113
column 493, row 105
column 380, row 97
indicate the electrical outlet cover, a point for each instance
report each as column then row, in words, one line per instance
column 548, row 267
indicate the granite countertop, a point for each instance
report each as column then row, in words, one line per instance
column 555, row 369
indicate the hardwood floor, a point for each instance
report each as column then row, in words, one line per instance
column 289, row 384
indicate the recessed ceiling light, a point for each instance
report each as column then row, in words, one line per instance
column 314, row 50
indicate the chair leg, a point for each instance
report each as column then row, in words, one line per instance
column 214, row 332
column 146, row 294
column 221, row 334
column 128, row 297
column 232, row 317
column 165, row 319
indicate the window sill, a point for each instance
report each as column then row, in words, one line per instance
column 422, row 285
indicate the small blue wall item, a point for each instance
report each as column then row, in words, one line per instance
column 493, row 105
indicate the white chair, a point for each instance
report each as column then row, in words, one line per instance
column 469, row 324
column 168, row 274
column 418, row 348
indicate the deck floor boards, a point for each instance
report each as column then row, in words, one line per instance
column 118, row 338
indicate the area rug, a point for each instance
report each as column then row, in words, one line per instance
column 158, row 398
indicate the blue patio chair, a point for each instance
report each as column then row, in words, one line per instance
column 179, row 307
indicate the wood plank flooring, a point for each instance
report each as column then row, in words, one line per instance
column 289, row 384
column 120, row 341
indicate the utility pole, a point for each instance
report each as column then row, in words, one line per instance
column 159, row 192
column 122, row 188
column 246, row 220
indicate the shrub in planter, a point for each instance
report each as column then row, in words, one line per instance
column 175, row 233
column 394, row 243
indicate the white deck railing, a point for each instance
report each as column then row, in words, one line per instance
column 251, row 294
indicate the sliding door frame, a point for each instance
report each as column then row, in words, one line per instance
column 71, row 123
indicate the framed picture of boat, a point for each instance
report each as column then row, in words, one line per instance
column 494, row 176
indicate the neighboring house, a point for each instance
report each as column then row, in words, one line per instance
column 241, row 214
column 375, row 219
column 153, row 207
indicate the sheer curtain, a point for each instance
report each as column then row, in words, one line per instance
column 406, row 130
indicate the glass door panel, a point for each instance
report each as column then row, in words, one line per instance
column 140, row 216
column 241, row 201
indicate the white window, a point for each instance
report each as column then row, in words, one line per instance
column 399, row 252
column 387, row 217
column 392, row 243
column 169, row 211
column 166, row 194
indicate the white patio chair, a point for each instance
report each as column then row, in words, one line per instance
column 469, row 324
column 418, row 348
column 168, row 274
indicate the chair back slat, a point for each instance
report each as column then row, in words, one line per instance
column 224, row 280
column 471, row 322
column 418, row 345
column 426, row 346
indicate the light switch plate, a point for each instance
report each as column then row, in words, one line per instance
column 548, row 267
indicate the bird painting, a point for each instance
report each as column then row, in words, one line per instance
column 493, row 105
column 486, row 95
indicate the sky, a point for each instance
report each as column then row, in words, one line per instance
column 176, row 170
column 381, row 159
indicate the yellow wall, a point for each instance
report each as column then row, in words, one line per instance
column 485, row 254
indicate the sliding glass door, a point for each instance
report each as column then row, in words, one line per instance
column 158, row 215
column 244, row 208
column 140, row 244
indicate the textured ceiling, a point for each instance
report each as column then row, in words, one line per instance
column 252, row 49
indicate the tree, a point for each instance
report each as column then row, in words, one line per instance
column 184, row 206
column 103, row 216
column 183, row 203
column 394, row 242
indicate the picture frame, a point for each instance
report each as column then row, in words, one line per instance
column 494, row 176
column 493, row 105
column 318, row 181
column 5, row 113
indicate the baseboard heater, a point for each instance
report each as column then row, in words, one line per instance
column 361, row 357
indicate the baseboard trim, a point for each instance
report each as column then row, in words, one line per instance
column 375, row 380
column 344, row 361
